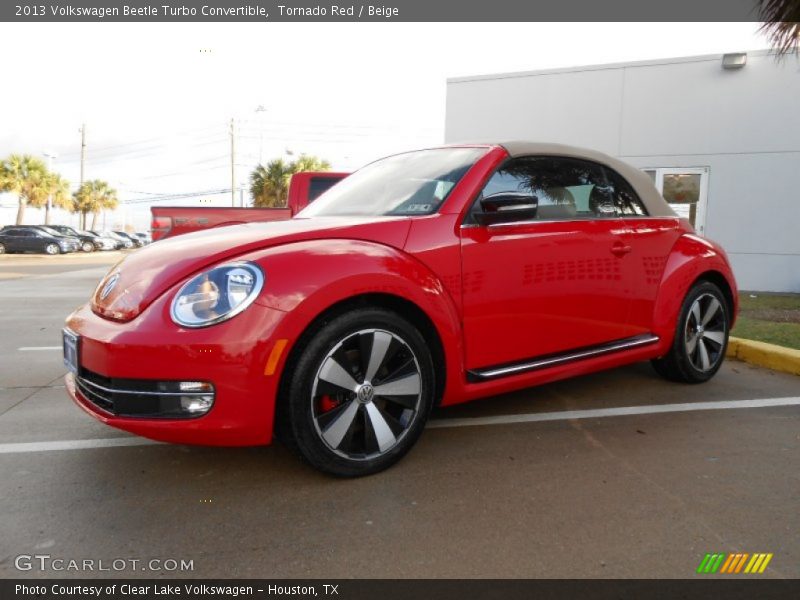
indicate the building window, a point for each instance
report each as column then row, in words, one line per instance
column 685, row 189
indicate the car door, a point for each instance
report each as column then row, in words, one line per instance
column 10, row 240
column 651, row 240
column 553, row 281
column 26, row 240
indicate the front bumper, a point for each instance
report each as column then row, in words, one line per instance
column 151, row 348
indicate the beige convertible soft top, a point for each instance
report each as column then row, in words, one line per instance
column 642, row 184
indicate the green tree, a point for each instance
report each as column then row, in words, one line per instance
column 269, row 183
column 23, row 175
column 92, row 197
column 307, row 162
column 781, row 24
column 46, row 190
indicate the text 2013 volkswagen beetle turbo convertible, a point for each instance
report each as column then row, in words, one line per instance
column 427, row 278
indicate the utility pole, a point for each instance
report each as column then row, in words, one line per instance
column 82, row 218
column 233, row 163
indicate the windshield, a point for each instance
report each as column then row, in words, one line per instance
column 414, row 183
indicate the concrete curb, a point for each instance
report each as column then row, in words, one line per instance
column 766, row 355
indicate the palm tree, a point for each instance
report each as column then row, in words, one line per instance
column 22, row 174
column 92, row 197
column 781, row 23
column 269, row 184
column 306, row 162
column 47, row 190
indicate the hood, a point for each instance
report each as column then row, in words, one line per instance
column 137, row 280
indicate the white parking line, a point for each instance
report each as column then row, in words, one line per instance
column 622, row 411
column 22, row 448
column 37, row 348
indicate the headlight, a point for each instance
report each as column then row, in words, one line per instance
column 217, row 295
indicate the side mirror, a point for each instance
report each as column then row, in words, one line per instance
column 505, row 207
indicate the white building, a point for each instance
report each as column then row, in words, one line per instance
column 722, row 144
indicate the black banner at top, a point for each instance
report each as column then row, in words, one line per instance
column 378, row 11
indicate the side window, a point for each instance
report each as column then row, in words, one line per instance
column 560, row 188
column 626, row 201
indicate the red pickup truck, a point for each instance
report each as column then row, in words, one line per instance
column 304, row 188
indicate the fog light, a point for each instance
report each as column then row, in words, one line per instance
column 196, row 405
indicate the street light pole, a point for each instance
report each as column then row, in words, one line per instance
column 233, row 163
column 50, row 156
column 260, row 111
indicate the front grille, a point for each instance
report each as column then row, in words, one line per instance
column 146, row 398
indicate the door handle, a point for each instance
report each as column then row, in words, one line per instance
column 620, row 249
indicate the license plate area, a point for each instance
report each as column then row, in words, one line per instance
column 71, row 345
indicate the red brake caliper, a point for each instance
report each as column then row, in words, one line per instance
column 327, row 403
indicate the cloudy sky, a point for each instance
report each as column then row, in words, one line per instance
column 157, row 99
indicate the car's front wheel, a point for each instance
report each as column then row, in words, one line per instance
column 701, row 337
column 360, row 393
column 52, row 249
column 87, row 247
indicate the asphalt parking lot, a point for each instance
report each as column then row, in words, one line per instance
column 538, row 486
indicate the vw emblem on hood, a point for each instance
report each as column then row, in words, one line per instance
column 108, row 286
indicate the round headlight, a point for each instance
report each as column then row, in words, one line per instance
column 217, row 295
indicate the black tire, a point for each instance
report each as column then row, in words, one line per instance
column 52, row 249
column 354, row 431
column 685, row 362
column 87, row 247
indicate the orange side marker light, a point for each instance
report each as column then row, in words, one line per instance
column 275, row 356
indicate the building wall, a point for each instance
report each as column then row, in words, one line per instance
column 742, row 124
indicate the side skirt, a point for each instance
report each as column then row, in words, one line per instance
column 489, row 373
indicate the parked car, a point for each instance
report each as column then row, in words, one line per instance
column 145, row 237
column 24, row 238
column 137, row 243
column 88, row 241
column 123, row 242
column 427, row 278
column 304, row 188
column 104, row 243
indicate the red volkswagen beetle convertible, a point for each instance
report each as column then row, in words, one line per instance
column 426, row 278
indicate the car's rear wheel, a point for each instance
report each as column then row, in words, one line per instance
column 2, row 249
column 52, row 249
column 701, row 337
column 87, row 247
column 360, row 393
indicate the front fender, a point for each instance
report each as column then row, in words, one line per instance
column 306, row 278
column 691, row 258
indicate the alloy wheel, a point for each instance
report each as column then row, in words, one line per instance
column 705, row 332
column 366, row 394
column 51, row 249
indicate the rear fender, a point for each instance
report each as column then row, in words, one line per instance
column 691, row 258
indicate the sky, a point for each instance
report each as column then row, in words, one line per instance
column 157, row 99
